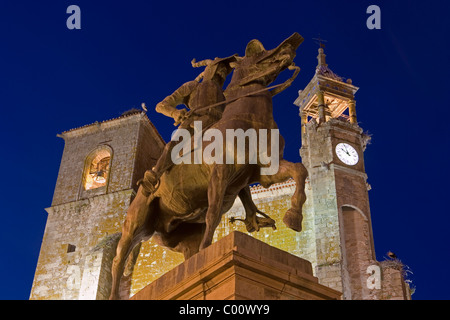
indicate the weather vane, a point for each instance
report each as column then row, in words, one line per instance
column 320, row 41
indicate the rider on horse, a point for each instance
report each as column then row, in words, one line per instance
column 195, row 95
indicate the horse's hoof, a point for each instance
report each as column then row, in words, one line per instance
column 293, row 219
column 266, row 222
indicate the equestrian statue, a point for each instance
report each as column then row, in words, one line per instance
column 180, row 205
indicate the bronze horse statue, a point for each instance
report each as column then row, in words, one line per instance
column 186, row 208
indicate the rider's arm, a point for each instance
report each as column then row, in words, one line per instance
column 180, row 96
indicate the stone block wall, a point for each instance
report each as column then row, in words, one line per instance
column 76, row 251
column 344, row 242
column 83, row 225
column 80, row 226
column 131, row 139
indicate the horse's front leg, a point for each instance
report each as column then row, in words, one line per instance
column 216, row 193
column 293, row 217
column 134, row 229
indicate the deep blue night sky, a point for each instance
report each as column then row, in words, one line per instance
column 53, row 79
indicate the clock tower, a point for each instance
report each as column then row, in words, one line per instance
column 332, row 150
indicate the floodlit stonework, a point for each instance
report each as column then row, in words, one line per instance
column 77, row 250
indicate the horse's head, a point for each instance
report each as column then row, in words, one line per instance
column 261, row 66
column 284, row 53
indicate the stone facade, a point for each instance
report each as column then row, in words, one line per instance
column 340, row 205
column 338, row 199
column 77, row 250
column 82, row 229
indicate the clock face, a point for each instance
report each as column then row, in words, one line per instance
column 347, row 154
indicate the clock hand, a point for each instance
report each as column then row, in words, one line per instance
column 346, row 151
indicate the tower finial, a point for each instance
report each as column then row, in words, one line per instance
column 321, row 59
column 321, row 56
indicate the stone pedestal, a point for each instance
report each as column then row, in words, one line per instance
column 239, row 267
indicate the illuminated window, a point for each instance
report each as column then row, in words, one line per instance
column 97, row 169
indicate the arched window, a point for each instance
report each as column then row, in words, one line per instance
column 358, row 251
column 97, row 166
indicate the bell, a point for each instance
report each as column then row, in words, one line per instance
column 99, row 177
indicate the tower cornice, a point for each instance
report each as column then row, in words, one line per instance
column 323, row 83
column 110, row 124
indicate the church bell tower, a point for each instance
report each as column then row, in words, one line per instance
column 332, row 150
column 100, row 166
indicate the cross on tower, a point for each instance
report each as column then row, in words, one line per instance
column 320, row 41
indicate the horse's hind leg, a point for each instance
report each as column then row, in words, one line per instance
column 135, row 229
column 293, row 217
column 252, row 221
column 216, row 193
